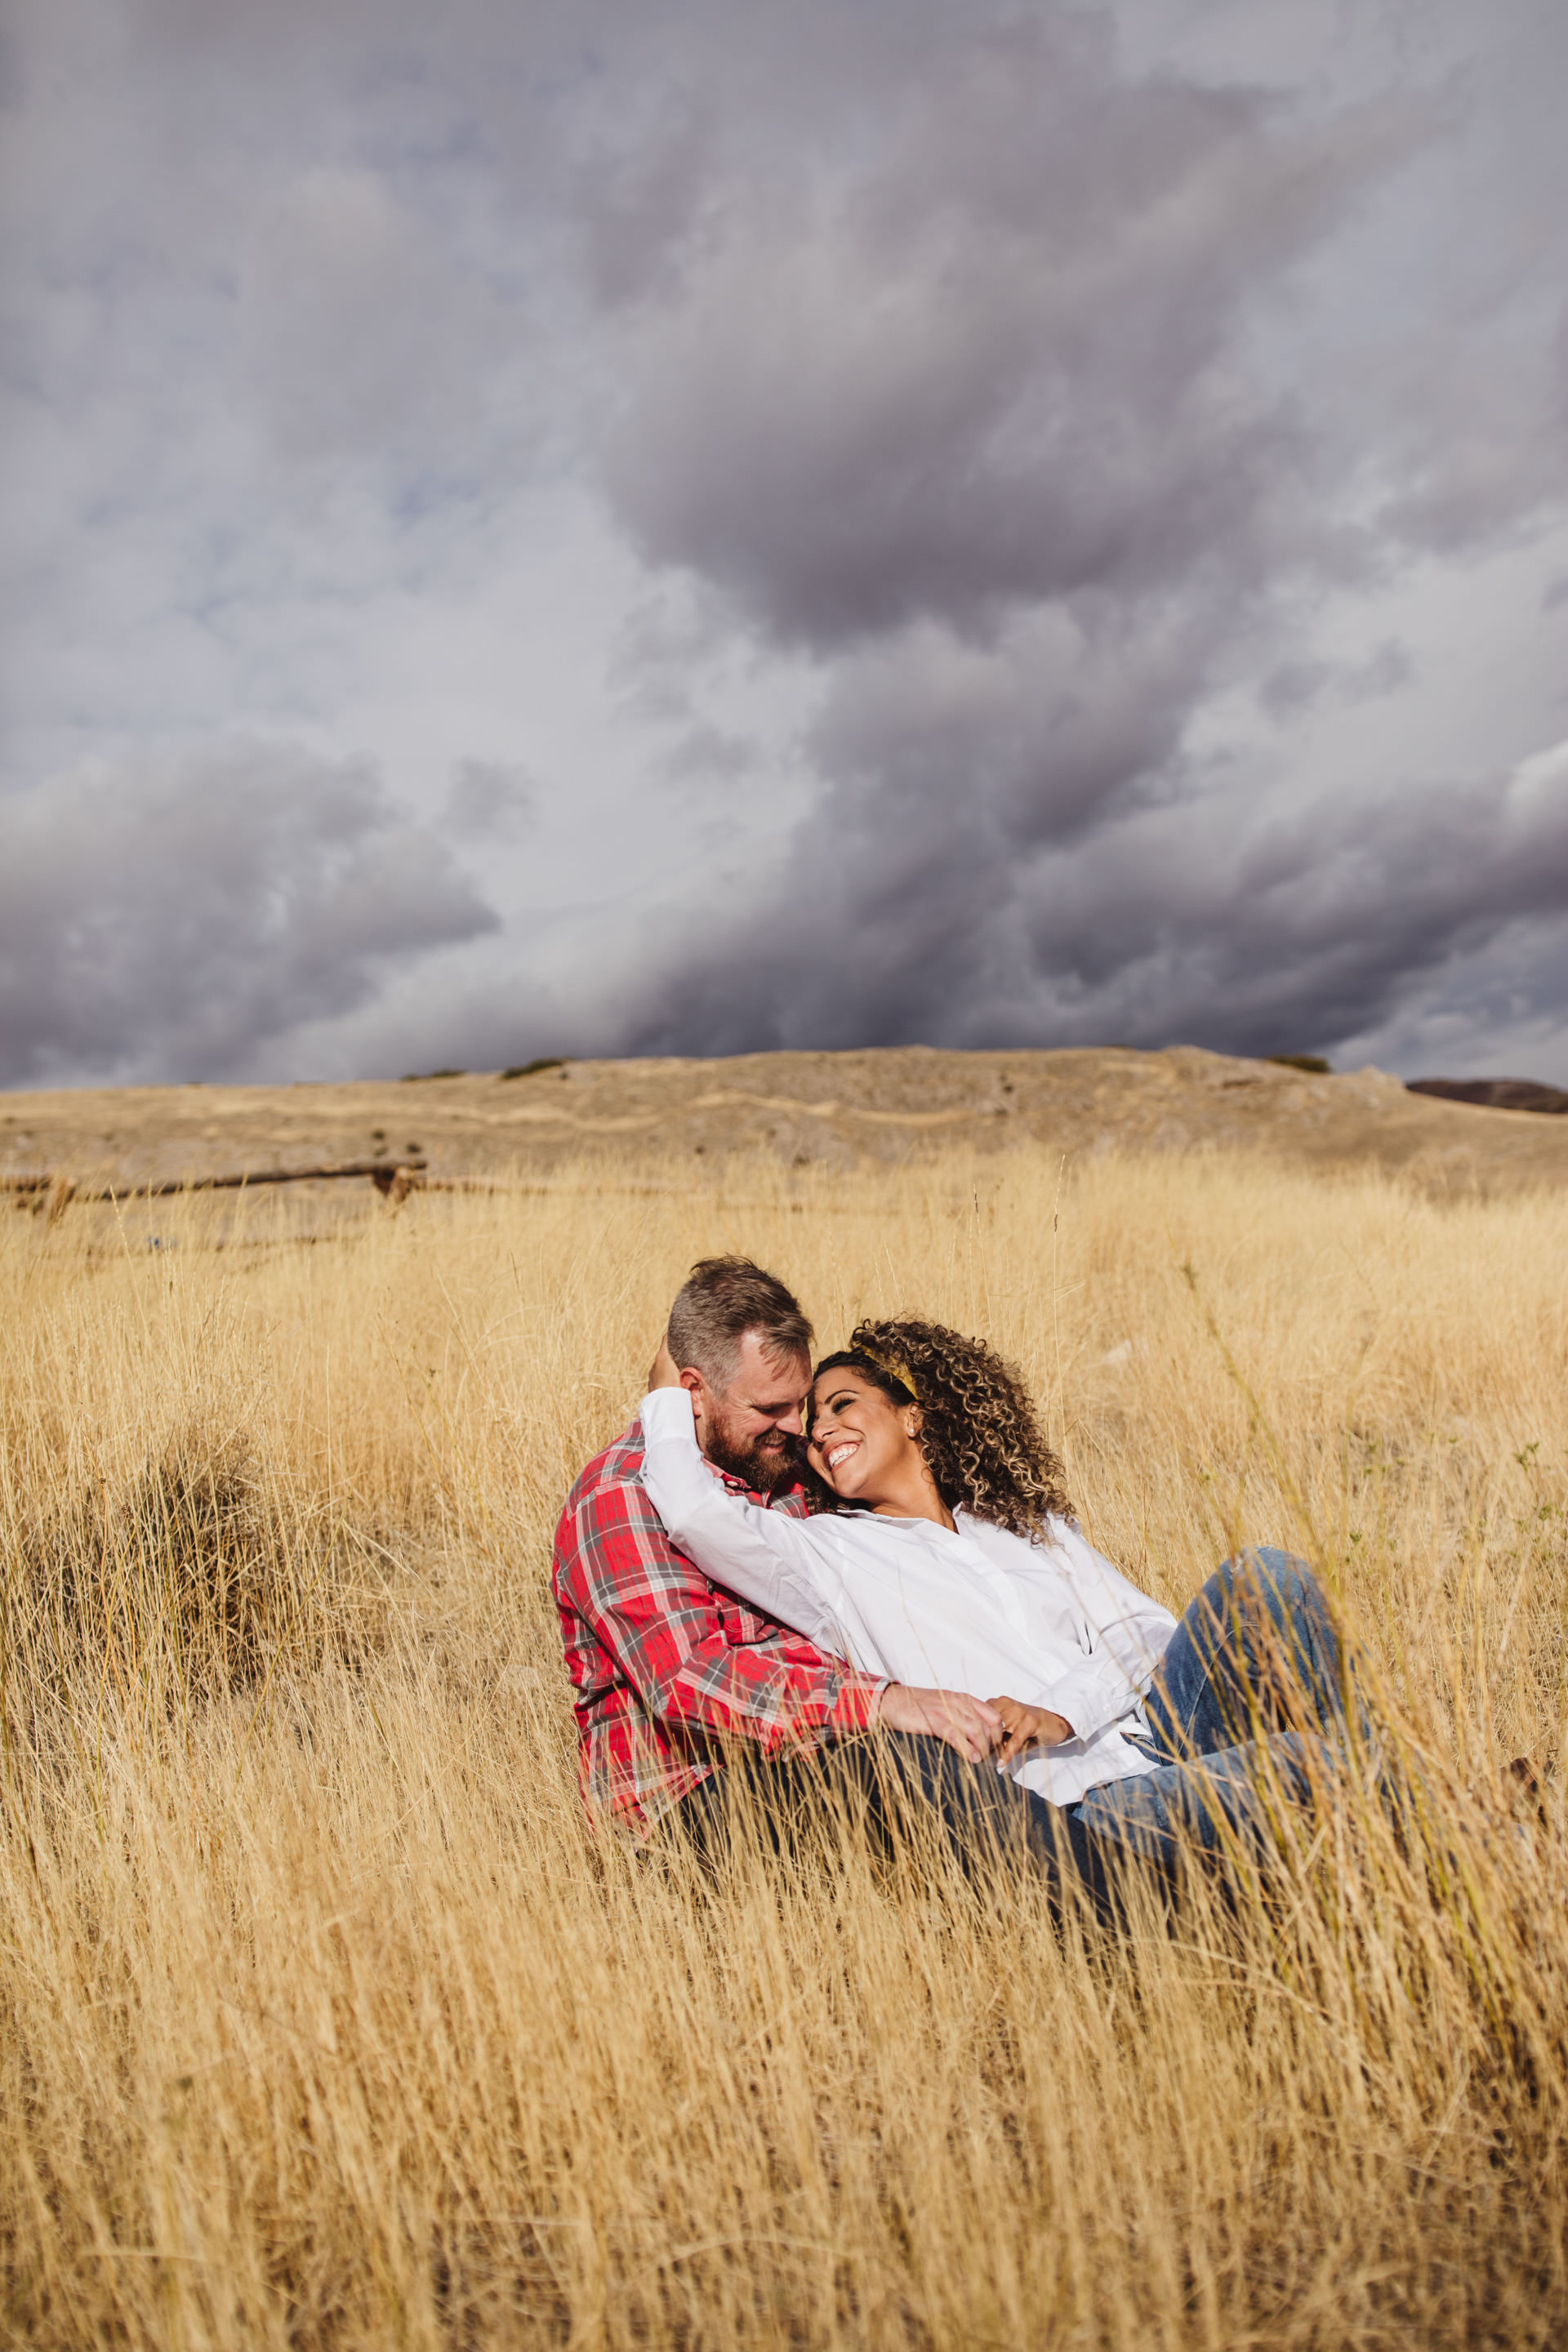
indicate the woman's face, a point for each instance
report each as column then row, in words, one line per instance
column 861, row 1442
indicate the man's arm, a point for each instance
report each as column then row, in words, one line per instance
column 655, row 1615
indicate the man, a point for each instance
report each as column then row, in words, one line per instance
column 672, row 1677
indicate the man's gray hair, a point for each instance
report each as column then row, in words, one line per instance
column 721, row 1300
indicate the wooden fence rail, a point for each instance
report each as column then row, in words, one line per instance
column 51, row 1194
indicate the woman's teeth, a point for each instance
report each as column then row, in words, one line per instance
column 840, row 1453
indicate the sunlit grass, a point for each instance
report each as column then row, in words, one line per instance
column 327, row 2022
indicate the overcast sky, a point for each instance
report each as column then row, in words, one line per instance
column 596, row 526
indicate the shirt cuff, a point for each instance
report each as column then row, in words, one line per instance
column 855, row 1707
column 1090, row 1700
column 666, row 1417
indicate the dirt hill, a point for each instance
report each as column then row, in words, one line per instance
column 1497, row 1094
column 803, row 1108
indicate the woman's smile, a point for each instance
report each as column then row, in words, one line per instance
column 865, row 1446
column 853, row 1433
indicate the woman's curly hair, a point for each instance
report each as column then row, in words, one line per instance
column 979, row 1430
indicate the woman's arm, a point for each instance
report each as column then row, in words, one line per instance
column 1128, row 1626
column 1101, row 1636
column 768, row 1557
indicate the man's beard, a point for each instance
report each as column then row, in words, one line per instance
column 767, row 1464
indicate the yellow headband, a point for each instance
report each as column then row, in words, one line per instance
column 894, row 1371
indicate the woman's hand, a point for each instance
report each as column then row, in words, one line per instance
column 1029, row 1726
column 663, row 1374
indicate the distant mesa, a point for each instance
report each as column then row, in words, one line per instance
column 1494, row 1094
column 832, row 1111
column 422, row 1078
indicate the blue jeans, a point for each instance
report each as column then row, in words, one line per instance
column 1246, row 1713
column 878, row 1792
column 1254, row 1712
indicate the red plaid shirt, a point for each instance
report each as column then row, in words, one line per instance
column 665, row 1666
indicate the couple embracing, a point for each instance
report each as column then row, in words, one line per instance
column 863, row 1585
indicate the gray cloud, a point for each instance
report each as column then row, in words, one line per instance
column 1297, row 684
column 1080, row 530
column 994, row 365
column 356, row 336
column 489, row 800
column 174, row 918
column 1245, row 927
column 989, row 425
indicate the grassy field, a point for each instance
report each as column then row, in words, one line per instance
column 323, row 2021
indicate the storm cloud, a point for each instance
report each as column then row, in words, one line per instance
column 171, row 919
column 991, row 363
column 686, row 529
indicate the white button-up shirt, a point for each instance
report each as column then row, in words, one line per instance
column 1047, row 1621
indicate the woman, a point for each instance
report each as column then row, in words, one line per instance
column 941, row 1551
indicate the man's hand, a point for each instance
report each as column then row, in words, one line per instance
column 663, row 1373
column 1029, row 1726
column 965, row 1722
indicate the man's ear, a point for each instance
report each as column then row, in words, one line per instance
column 701, row 1396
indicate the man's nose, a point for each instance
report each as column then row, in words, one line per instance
column 790, row 1422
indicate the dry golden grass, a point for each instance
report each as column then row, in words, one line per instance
column 325, row 2019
